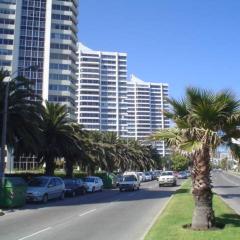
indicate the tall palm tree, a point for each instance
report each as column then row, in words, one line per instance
column 58, row 135
column 203, row 121
column 22, row 129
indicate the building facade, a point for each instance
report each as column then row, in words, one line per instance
column 101, row 94
column 106, row 101
column 146, row 103
column 42, row 33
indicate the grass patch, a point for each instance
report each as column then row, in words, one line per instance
column 179, row 212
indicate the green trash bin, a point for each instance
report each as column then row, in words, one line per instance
column 13, row 193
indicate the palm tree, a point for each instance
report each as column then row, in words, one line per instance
column 22, row 129
column 203, row 121
column 58, row 135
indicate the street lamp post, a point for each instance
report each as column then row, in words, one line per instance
column 4, row 133
column 4, row 125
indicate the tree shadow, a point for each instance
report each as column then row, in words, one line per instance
column 182, row 190
column 226, row 186
column 107, row 196
column 229, row 219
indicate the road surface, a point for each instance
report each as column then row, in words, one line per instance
column 99, row 216
column 228, row 187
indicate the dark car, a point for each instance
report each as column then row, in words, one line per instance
column 75, row 186
column 182, row 175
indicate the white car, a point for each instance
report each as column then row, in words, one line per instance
column 167, row 178
column 93, row 183
column 148, row 176
column 129, row 182
column 142, row 176
column 44, row 188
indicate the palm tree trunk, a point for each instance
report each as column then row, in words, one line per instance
column 69, row 168
column 50, row 166
column 203, row 215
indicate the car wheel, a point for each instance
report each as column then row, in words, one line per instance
column 138, row 188
column 45, row 198
column 120, row 190
column 62, row 196
column 160, row 185
column 93, row 189
column 133, row 188
column 73, row 194
column 101, row 189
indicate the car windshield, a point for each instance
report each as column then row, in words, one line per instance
column 167, row 174
column 88, row 179
column 129, row 178
column 38, row 182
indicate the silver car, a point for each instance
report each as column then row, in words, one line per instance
column 44, row 188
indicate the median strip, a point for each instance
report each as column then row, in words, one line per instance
column 169, row 225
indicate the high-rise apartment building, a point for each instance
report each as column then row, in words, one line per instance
column 7, row 27
column 146, row 103
column 106, row 101
column 42, row 33
column 101, row 95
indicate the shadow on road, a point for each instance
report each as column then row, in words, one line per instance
column 226, row 186
column 230, row 196
column 107, row 196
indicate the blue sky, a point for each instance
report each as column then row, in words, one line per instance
column 180, row 42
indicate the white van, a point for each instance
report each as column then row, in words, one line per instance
column 136, row 174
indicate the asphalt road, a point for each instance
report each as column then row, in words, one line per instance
column 105, row 215
column 228, row 187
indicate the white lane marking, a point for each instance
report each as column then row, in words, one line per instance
column 36, row 233
column 90, row 211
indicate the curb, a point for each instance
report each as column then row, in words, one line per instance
column 225, row 201
column 160, row 212
column 156, row 217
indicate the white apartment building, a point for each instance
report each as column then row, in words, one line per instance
column 101, row 92
column 42, row 33
column 146, row 103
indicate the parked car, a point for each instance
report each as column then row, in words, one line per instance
column 75, row 186
column 188, row 172
column 119, row 179
column 175, row 173
column 129, row 182
column 157, row 173
column 167, row 178
column 136, row 174
column 93, row 183
column 45, row 188
column 141, row 176
column 182, row 175
column 148, row 176
column 152, row 173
